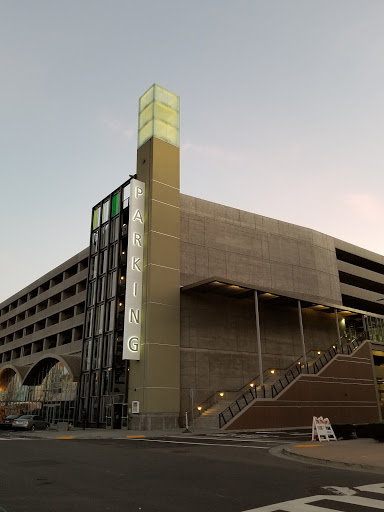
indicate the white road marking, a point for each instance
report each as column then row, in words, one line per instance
column 202, row 438
column 201, row 444
column 305, row 504
column 378, row 488
column 341, row 491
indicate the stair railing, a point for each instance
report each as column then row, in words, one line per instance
column 276, row 388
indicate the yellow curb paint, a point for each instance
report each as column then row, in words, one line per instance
column 308, row 446
column 135, row 437
column 66, row 437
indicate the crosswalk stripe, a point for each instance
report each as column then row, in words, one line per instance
column 306, row 504
column 200, row 444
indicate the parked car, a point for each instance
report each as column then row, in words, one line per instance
column 9, row 420
column 30, row 422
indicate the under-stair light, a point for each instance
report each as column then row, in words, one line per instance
column 252, row 385
column 199, row 407
column 221, row 394
column 272, row 371
column 319, row 352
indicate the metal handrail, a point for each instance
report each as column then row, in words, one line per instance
column 290, row 376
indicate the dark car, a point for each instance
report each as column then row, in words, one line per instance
column 9, row 420
column 30, row 422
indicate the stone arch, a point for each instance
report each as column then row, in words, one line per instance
column 8, row 371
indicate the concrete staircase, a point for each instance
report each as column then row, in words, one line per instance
column 209, row 419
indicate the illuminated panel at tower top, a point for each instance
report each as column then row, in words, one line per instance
column 159, row 116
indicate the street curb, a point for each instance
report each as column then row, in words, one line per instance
column 331, row 463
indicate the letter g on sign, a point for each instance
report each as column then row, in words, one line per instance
column 133, row 343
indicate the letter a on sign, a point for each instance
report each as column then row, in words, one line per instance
column 135, row 269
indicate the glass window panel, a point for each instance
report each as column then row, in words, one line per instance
column 110, row 316
column 115, row 224
column 94, row 384
column 91, row 293
column 86, row 357
column 96, row 218
column 105, row 383
column 126, row 194
column 96, row 354
column 112, row 284
column 113, row 256
column 108, row 351
column 103, row 262
column 93, row 267
column 115, row 204
column 104, row 236
column 94, row 242
column 100, row 289
column 105, row 213
column 166, row 114
column 99, row 316
column 146, row 115
column 88, row 323
column 84, row 385
column 146, row 98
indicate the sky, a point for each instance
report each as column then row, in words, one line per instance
column 282, row 114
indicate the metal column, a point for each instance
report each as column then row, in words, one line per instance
column 302, row 334
column 258, row 339
column 337, row 327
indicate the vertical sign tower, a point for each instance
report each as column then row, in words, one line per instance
column 154, row 380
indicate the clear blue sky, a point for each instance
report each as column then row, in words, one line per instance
column 282, row 113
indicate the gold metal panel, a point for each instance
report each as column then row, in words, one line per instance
column 164, row 250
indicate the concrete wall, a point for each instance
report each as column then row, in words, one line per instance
column 269, row 254
column 218, row 341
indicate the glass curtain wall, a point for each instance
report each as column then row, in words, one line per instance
column 104, row 373
column 52, row 394
column 375, row 327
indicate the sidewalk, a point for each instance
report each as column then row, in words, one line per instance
column 355, row 453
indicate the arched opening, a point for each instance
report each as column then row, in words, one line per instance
column 48, row 389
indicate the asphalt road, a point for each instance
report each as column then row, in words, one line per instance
column 195, row 474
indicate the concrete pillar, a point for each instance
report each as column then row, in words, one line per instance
column 302, row 334
column 258, row 339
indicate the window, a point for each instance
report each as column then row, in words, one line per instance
column 115, row 225
column 100, row 289
column 86, row 355
column 94, row 384
column 94, row 242
column 112, row 283
column 88, row 324
column 126, row 193
column 115, row 204
column 96, row 218
column 113, row 255
column 103, row 262
column 84, row 385
column 96, row 354
column 105, row 384
column 110, row 316
column 104, row 236
column 105, row 214
column 93, row 267
column 91, row 293
column 99, row 319
column 108, row 350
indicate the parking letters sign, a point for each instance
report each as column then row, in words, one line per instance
column 135, row 269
